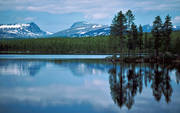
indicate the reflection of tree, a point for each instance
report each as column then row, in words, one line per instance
column 117, row 86
column 123, row 92
column 127, row 80
column 157, row 84
column 178, row 75
column 167, row 89
column 161, row 84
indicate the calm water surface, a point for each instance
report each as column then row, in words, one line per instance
column 18, row 56
column 58, row 85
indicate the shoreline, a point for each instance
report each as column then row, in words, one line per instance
column 52, row 53
column 127, row 59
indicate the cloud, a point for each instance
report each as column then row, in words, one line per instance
column 97, row 16
column 176, row 19
column 62, row 95
column 29, row 19
column 157, row 5
column 94, row 9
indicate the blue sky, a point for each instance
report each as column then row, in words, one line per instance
column 56, row 15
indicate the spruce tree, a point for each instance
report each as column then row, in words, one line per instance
column 140, row 37
column 118, row 29
column 145, row 41
column 134, row 36
column 130, row 18
column 157, row 33
column 167, row 29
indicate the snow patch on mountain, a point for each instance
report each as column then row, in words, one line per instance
column 82, row 32
column 96, row 26
column 48, row 33
column 80, row 28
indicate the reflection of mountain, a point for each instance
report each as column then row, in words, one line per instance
column 125, row 85
column 31, row 67
column 20, row 67
column 84, row 68
column 58, row 87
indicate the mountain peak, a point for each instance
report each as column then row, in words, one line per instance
column 84, row 29
column 24, row 30
column 79, row 24
column 32, row 23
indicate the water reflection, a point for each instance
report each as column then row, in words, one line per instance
column 94, row 85
column 127, row 81
column 20, row 67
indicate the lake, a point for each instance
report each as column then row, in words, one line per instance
column 86, row 84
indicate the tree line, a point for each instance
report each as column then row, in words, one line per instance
column 123, row 28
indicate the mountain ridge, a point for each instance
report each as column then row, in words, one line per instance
column 77, row 29
column 85, row 29
column 28, row 30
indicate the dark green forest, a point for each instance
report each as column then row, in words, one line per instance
column 88, row 45
column 125, row 37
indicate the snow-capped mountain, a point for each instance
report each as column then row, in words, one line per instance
column 78, row 29
column 29, row 30
column 84, row 29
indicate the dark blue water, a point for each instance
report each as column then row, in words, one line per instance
column 87, row 86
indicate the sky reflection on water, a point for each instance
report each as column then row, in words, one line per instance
column 87, row 86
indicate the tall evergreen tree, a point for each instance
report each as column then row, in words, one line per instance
column 140, row 37
column 118, row 26
column 157, row 33
column 145, row 41
column 167, row 29
column 134, row 35
column 114, row 27
column 130, row 18
column 118, row 29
